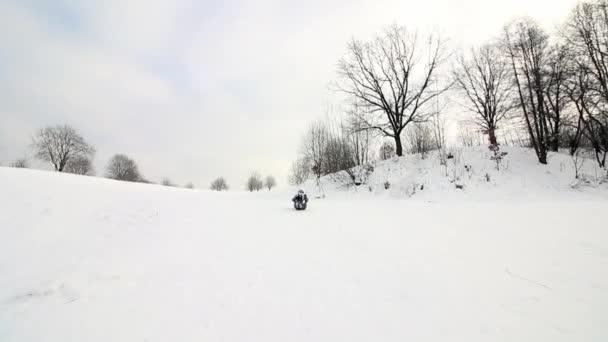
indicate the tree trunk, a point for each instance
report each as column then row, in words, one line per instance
column 492, row 136
column 398, row 145
column 542, row 155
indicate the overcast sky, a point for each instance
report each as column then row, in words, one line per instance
column 197, row 89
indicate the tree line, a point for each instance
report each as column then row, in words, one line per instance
column 552, row 90
column 67, row 151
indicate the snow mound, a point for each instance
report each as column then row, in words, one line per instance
column 471, row 174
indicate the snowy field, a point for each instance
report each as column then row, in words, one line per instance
column 88, row 259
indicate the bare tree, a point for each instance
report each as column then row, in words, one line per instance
column 254, row 182
column 527, row 48
column 583, row 92
column 189, row 185
column 80, row 165
column 385, row 79
column 121, row 167
column 270, row 182
column 483, row 76
column 219, row 184
column 314, row 148
column 300, row 171
column 59, row 144
column 556, row 94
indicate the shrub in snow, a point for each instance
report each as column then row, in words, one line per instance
column 497, row 155
column 578, row 160
column 387, row 185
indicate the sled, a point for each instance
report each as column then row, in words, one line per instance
column 299, row 205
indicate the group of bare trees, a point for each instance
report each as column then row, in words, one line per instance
column 329, row 147
column 553, row 90
column 556, row 85
column 256, row 183
column 67, row 151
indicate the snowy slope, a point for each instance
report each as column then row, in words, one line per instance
column 520, row 176
column 88, row 259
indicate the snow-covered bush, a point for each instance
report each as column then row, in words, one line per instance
column 497, row 155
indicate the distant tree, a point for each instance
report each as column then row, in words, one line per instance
column 20, row 163
column 219, row 184
column 392, row 78
column 270, row 182
column 166, row 182
column 80, row 165
column 121, row 167
column 60, row 144
column 299, row 172
column 387, row 151
column 254, row 182
column 189, row 185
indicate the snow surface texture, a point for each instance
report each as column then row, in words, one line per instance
column 89, row 259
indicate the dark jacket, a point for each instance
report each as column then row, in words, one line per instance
column 300, row 198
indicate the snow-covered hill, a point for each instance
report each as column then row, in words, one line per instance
column 471, row 174
column 89, row 259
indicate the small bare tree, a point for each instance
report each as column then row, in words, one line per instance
column 314, row 148
column 219, row 184
column 80, row 165
column 578, row 160
column 254, row 182
column 483, row 76
column 385, row 79
column 466, row 135
column 300, row 171
column 270, row 182
column 59, row 144
column 121, row 167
